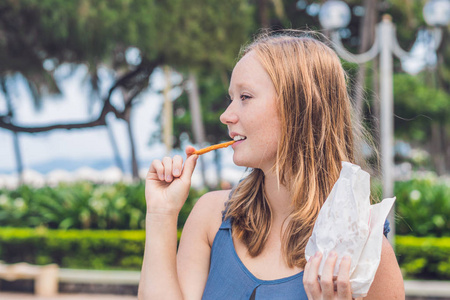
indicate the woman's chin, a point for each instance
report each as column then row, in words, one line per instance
column 252, row 163
column 239, row 161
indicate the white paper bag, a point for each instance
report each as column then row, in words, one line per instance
column 349, row 225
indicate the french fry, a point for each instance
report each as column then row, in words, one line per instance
column 214, row 147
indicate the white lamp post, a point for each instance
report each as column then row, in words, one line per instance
column 335, row 14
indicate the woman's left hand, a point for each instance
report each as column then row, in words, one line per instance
column 326, row 288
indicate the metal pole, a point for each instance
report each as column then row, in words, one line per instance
column 387, row 113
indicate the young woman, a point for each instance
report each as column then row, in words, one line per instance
column 291, row 113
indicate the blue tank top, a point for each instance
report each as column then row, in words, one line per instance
column 229, row 279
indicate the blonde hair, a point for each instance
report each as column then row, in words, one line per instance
column 316, row 136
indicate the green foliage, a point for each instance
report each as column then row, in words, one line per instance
column 94, row 249
column 81, row 205
column 75, row 31
column 424, row 258
column 203, row 34
column 187, row 33
column 423, row 207
column 419, row 106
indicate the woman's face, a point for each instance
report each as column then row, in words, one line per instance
column 253, row 114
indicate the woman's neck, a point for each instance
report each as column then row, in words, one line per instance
column 278, row 197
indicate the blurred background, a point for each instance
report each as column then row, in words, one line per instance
column 92, row 91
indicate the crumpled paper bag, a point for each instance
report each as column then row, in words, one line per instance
column 349, row 225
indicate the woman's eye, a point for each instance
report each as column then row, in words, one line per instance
column 245, row 97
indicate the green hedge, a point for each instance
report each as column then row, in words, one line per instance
column 93, row 249
column 426, row 258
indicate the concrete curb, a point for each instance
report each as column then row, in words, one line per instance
column 427, row 288
column 102, row 281
column 99, row 277
column 413, row 288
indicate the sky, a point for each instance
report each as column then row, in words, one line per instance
column 73, row 106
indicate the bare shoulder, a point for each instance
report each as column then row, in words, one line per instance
column 208, row 211
column 388, row 282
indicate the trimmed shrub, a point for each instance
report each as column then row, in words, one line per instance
column 92, row 249
column 424, row 257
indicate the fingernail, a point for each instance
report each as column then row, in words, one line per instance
column 333, row 254
column 346, row 258
column 168, row 178
column 176, row 172
column 161, row 177
column 317, row 254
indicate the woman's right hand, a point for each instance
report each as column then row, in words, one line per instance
column 327, row 287
column 168, row 182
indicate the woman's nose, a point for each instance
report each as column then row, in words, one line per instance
column 228, row 116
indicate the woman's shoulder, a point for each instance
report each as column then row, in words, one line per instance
column 388, row 281
column 208, row 210
column 212, row 202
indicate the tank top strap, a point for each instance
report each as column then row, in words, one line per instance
column 387, row 228
column 226, row 224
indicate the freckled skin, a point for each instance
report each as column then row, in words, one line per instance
column 253, row 113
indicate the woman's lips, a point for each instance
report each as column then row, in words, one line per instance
column 237, row 143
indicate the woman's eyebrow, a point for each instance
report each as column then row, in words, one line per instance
column 240, row 86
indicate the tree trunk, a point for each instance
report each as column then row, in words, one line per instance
column 218, row 163
column 437, row 149
column 129, row 93
column 167, row 112
column 367, row 33
column 263, row 12
column 198, row 128
column 279, row 9
column 127, row 98
column 376, row 105
column 17, row 152
column 115, row 148
column 134, row 164
column 446, row 148
column 440, row 84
